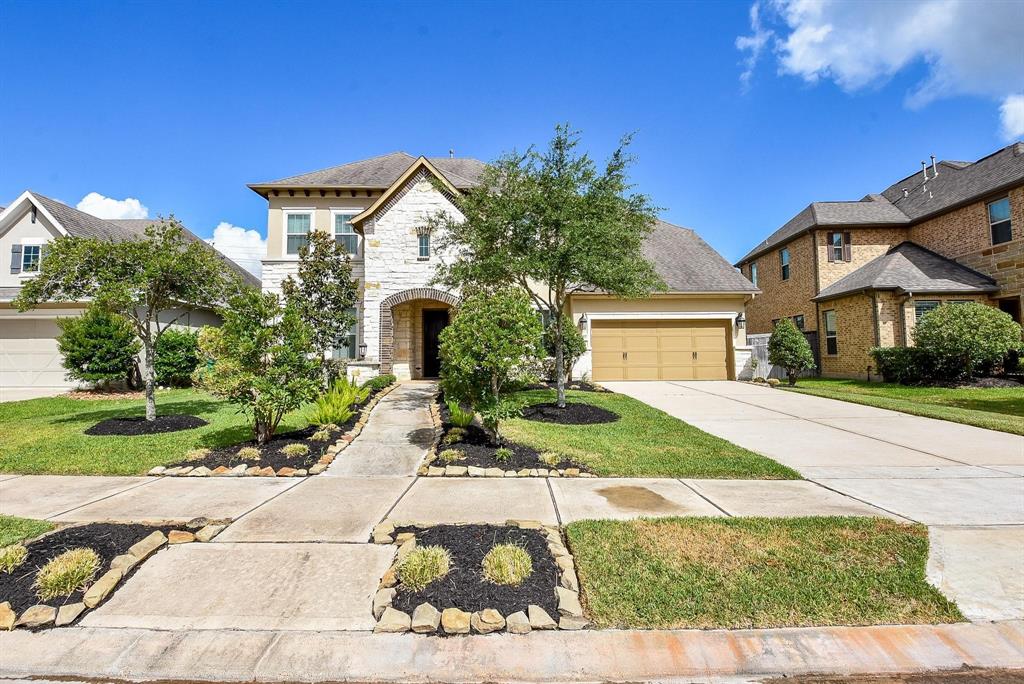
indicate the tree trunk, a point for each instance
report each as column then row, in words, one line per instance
column 559, row 362
column 150, row 377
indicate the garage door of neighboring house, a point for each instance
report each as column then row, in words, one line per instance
column 660, row 350
column 28, row 355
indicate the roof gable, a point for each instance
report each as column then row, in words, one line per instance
column 421, row 164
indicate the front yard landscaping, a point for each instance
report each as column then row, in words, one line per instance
column 994, row 408
column 643, row 442
column 755, row 572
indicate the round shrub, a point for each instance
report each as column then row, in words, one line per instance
column 321, row 435
column 293, row 450
column 12, row 556
column 177, row 356
column 423, row 565
column 966, row 339
column 97, row 346
column 507, row 564
column 66, row 573
column 788, row 347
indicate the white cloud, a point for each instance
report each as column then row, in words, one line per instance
column 245, row 247
column 753, row 44
column 1011, row 115
column 108, row 208
column 969, row 47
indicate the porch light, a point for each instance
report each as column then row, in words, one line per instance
column 362, row 351
column 741, row 322
column 583, row 323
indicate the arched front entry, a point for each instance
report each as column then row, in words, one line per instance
column 409, row 324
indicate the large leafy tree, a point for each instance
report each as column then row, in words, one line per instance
column 554, row 224
column 152, row 281
column 323, row 294
column 260, row 360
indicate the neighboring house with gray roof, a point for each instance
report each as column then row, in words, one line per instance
column 30, row 363
column 376, row 208
column 859, row 274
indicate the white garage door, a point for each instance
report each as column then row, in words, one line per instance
column 29, row 359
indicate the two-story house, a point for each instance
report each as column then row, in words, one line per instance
column 862, row 273
column 377, row 208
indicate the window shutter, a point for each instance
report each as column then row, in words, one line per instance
column 15, row 258
column 846, row 247
column 831, row 251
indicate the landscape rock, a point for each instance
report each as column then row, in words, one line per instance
column 435, row 471
column 568, row 580
column 382, row 539
column 37, row 616
column 209, row 532
column 266, row 471
column 486, row 621
column 180, row 537
column 220, row 470
column 534, row 472
column 494, row 472
column 286, row 472
column 158, row 470
column 299, row 472
column 476, row 471
column 403, row 537
column 539, row 618
column 572, row 472
column 68, row 613
column 518, row 623
column 382, row 600
column 183, row 470
column 7, row 616
column 393, row 622
column 124, row 563
column 526, row 524
column 390, row 579
column 565, row 563
column 196, row 523
column 554, row 473
column 385, row 528
column 568, row 602
column 425, row 619
column 201, row 471
column 237, row 471
column 101, row 588
column 455, row 471
column 569, row 622
column 318, row 468
column 455, row 621
column 406, row 548
column 146, row 547
column 525, row 472
column 252, row 470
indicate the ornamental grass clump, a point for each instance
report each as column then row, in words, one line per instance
column 459, row 416
column 503, row 455
column 550, row 458
column 423, row 565
column 321, row 435
column 450, row 456
column 11, row 557
column 507, row 564
column 67, row 573
column 293, row 450
column 454, row 435
column 197, row 454
column 249, row 453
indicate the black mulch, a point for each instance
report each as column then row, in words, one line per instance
column 132, row 427
column 466, row 588
column 571, row 414
column 106, row 539
column 578, row 385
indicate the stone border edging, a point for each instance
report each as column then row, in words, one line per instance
column 427, row 619
column 242, row 470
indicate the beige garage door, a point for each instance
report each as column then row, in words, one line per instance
column 28, row 355
column 660, row 350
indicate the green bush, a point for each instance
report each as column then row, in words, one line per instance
column 573, row 347
column 967, row 339
column 66, row 573
column 177, row 356
column 788, row 348
column 97, row 346
column 338, row 404
column 905, row 365
column 380, row 382
column 459, row 417
column 423, row 565
column 508, row 564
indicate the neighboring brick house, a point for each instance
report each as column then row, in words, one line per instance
column 377, row 207
column 861, row 273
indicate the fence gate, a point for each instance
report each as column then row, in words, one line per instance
column 759, row 353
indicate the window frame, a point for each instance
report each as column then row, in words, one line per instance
column 1008, row 221
column 38, row 261
column 831, row 336
column 350, row 212
column 918, row 313
column 784, row 258
column 295, row 211
column 348, row 352
column 799, row 321
column 753, row 273
column 420, row 244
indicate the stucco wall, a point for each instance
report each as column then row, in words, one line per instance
column 320, row 207
column 783, row 298
column 24, row 231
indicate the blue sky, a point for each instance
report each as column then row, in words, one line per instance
column 179, row 105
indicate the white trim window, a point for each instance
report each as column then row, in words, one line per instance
column 297, row 226
column 423, row 243
column 831, row 332
column 348, row 339
column 344, row 232
column 999, row 221
column 31, row 257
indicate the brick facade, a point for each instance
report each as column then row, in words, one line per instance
column 866, row 244
column 782, row 298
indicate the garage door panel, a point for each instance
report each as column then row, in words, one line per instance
column 642, row 343
column 643, row 373
column 659, row 350
column 29, row 357
column 607, row 343
column 607, row 358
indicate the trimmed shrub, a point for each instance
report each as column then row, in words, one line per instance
column 293, row 450
column 177, row 357
column 787, row 347
column 66, row 573
column 97, row 346
column 459, row 416
column 12, row 556
column 966, row 339
column 905, row 365
column 380, row 382
column 322, row 435
column 773, row 382
column 450, row 456
column 507, row 564
column 424, row 565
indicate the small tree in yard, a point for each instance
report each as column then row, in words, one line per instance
column 552, row 224
column 491, row 336
column 787, row 347
column 97, row 346
column 177, row 355
column 323, row 295
column 964, row 339
column 573, row 345
column 152, row 282
column 260, row 359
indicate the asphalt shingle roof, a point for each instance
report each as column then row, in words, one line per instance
column 957, row 182
column 382, row 172
column 909, row 267
column 688, row 264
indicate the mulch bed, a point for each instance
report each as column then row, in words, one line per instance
column 466, row 588
column 571, row 414
column 578, row 385
column 988, row 383
column 135, row 426
column 106, row 539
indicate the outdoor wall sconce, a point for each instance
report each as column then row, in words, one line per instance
column 583, row 323
column 741, row 322
column 362, row 351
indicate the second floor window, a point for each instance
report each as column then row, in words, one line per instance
column 297, row 227
column 30, row 257
column 753, row 273
column 999, row 221
column 839, row 247
column 831, row 333
column 345, row 233
column 424, row 246
column 784, row 262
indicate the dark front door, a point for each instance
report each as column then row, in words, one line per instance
column 434, row 321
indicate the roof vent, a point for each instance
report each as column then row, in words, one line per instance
column 451, row 154
column 935, row 169
column 906, row 193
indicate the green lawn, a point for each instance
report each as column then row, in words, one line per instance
column 47, row 435
column 14, row 529
column 992, row 408
column 644, row 442
column 755, row 572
